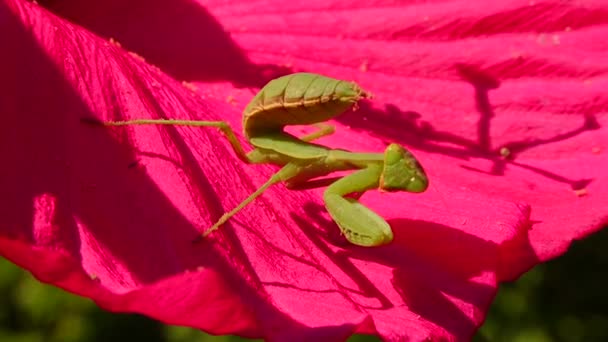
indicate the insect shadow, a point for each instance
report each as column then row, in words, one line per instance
column 410, row 129
column 190, row 45
column 483, row 83
column 422, row 276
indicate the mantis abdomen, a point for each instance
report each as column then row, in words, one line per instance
column 298, row 99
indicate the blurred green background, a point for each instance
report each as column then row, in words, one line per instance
column 563, row 300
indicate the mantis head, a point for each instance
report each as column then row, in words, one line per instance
column 402, row 171
column 350, row 92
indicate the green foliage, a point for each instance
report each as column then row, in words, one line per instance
column 563, row 300
column 33, row 312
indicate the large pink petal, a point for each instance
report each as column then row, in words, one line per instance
column 452, row 81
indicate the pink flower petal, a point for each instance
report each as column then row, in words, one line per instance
column 110, row 213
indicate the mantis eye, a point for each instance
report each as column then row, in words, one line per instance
column 402, row 171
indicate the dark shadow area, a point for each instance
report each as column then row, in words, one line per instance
column 409, row 129
column 118, row 327
column 482, row 83
column 180, row 37
column 527, row 18
column 79, row 169
column 429, row 261
column 183, row 39
column 590, row 123
column 81, row 175
column 321, row 241
column 561, row 300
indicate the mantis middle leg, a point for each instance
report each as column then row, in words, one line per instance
column 323, row 130
column 221, row 125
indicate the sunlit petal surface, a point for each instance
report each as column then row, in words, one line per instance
column 504, row 103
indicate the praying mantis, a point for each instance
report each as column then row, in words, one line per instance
column 311, row 99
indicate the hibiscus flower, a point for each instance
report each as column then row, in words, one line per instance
column 504, row 103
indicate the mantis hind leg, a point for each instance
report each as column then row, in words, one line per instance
column 322, row 130
column 360, row 225
column 221, row 125
column 286, row 172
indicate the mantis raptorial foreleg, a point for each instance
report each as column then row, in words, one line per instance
column 358, row 223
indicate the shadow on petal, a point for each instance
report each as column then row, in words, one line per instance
column 181, row 37
column 77, row 215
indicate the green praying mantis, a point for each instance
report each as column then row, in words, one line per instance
column 310, row 99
